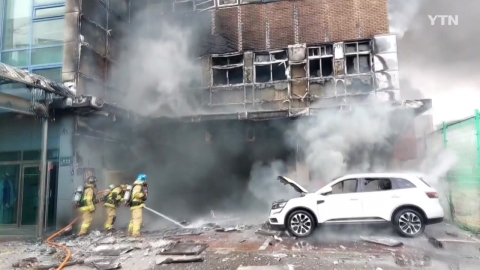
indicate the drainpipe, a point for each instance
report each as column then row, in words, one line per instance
column 43, row 179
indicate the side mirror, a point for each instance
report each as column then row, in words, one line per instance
column 326, row 191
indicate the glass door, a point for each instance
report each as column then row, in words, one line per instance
column 30, row 190
column 9, row 179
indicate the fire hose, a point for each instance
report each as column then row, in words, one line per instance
column 66, row 249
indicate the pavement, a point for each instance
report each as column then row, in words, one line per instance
column 236, row 246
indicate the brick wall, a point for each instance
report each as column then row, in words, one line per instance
column 272, row 25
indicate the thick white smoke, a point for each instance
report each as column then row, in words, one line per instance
column 157, row 67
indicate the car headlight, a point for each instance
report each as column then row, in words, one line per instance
column 279, row 205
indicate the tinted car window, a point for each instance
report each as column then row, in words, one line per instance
column 377, row 184
column 404, row 183
column 346, row 186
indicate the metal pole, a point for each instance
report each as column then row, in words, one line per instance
column 43, row 179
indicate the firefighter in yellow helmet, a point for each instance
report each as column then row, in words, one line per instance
column 87, row 204
column 137, row 202
column 111, row 202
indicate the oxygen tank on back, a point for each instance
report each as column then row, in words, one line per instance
column 128, row 193
column 77, row 198
column 145, row 192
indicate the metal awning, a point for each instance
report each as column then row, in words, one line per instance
column 418, row 106
column 9, row 74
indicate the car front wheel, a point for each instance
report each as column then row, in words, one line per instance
column 300, row 223
column 409, row 223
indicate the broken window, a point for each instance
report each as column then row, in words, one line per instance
column 320, row 61
column 346, row 186
column 227, row 69
column 377, row 184
column 271, row 66
column 358, row 57
column 222, row 3
column 183, row 6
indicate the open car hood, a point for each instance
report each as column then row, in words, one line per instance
column 287, row 181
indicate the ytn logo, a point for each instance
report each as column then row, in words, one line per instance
column 448, row 19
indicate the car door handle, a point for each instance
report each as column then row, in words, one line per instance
column 354, row 199
column 395, row 196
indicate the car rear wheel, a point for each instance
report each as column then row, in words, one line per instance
column 300, row 223
column 409, row 223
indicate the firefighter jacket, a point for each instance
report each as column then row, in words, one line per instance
column 88, row 199
column 114, row 197
column 138, row 197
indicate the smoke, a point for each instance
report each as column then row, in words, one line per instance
column 438, row 61
column 400, row 15
column 159, row 64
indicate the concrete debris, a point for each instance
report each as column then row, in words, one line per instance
column 45, row 266
column 435, row 242
column 159, row 260
column 113, row 250
column 184, row 222
column 176, row 232
column 107, row 265
column 382, row 241
column 185, row 249
column 279, row 255
column 231, row 229
column 342, row 247
column 162, row 243
column 107, row 241
column 24, row 263
column 267, row 232
column 451, row 233
column 414, row 261
column 270, row 267
column 277, row 238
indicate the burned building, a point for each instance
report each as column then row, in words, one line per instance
column 260, row 65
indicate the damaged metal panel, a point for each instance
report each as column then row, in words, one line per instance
column 92, row 64
column 233, row 96
column 94, row 11
column 360, row 84
column 90, row 86
column 205, row 64
column 116, row 27
column 248, row 67
column 385, row 63
column 120, row 8
column 272, row 105
column 322, row 88
column 71, row 36
column 271, row 92
column 95, row 37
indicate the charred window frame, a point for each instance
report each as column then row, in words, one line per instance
column 226, row 3
column 183, row 6
column 358, row 57
column 271, row 66
column 320, row 61
column 227, row 69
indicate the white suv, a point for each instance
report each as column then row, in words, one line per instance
column 404, row 200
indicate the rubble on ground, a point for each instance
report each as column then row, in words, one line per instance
column 382, row 241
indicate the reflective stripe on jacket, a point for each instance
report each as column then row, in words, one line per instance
column 87, row 199
column 137, row 196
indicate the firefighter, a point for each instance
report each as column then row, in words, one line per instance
column 87, row 204
column 111, row 202
column 137, row 199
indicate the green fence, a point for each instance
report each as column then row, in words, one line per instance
column 463, row 139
